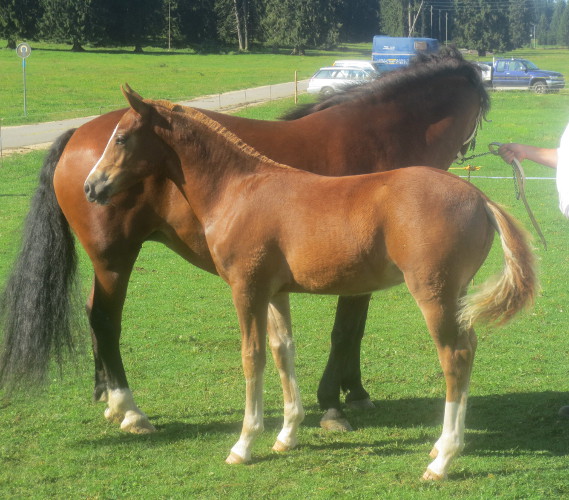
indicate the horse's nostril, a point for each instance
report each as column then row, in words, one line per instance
column 87, row 188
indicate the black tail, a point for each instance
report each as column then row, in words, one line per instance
column 35, row 307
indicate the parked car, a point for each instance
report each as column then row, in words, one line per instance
column 520, row 74
column 358, row 63
column 330, row 79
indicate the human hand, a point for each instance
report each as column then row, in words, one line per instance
column 512, row 151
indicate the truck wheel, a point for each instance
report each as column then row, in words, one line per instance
column 539, row 87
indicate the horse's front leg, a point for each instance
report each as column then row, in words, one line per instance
column 343, row 368
column 252, row 316
column 104, row 310
column 282, row 347
column 456, row 349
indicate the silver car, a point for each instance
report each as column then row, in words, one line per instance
column 328, row 80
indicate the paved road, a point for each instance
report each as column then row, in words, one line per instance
column 42, row 133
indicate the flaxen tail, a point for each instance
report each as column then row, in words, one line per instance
column 498, row 301
column 35, row 305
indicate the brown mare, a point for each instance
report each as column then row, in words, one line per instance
column 419, row 116
column 326, row 235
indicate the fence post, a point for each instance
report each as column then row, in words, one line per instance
column 296, row 87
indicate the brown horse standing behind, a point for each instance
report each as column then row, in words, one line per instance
column 326, row 235
column 422, row 115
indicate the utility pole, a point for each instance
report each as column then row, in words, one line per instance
column 169, row 26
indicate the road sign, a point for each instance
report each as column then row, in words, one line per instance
column 23, row 50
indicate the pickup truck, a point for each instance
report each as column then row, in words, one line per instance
column 520, row 74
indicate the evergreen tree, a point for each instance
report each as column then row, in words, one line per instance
column 542, row 36
column 481, row 26
column 301, row 24
column 563, row 30
column 198, row 22
column 519, row 23
column 66, row 21
column 556, row 18
column 237, row 20
column 392, row 18
column 18, row 20
column 360, row 20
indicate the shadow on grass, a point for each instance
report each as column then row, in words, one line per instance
column 513, row 424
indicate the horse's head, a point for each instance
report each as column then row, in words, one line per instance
column 134, row 151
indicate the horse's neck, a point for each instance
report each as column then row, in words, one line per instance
column 211, row 162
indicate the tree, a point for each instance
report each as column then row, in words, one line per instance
column 66, row 21
column 563, row 30
column 556, row 18
column 481, row 26
column 18, row 20
column 237, row 20
column 519, row 23
column 392, row 18
column 197, row 20
column 132, row 22
column 542, row 31
column 360, row 20
column 241, row 11
column 301, row 24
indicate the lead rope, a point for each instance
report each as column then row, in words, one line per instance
column 519, row 187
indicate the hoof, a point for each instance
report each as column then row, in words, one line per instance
column 564, row 412
column 434, row 453
column 114, row 418
column 333, row 420
column 362, row 404
column 137, row 425
column 429, row 475
column 280, row 447
column 234, row 459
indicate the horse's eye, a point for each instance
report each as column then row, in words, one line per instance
column 120, row 139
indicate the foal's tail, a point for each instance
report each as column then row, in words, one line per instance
column 35, row 305
column 515, row 289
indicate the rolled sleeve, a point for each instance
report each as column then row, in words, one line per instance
column 562, row 176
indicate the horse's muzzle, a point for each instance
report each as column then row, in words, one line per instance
column 97, row 191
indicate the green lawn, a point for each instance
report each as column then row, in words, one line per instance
column 64, row 84
column 181, row 349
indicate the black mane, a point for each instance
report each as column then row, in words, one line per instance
column 449, row 61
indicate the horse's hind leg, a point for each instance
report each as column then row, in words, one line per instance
column 104, row 309
column 343, row 368
column 456, row 348
column 282, row 347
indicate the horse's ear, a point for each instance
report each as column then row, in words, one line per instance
column 135, row 100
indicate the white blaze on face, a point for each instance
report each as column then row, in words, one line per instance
column 104, row 152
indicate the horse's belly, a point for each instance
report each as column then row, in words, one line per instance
column 354, row 279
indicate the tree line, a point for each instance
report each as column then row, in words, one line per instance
column 485, row 25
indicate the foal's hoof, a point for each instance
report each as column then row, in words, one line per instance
column 429, row 475
column 362, row 404
column 137, row 424
column 113, row 417
column 334, row 420
column 138, row 428
column 234, row 459
column 280, row 447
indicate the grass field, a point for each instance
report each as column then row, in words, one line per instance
column 63, row 84
column 181, row 350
